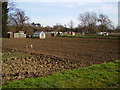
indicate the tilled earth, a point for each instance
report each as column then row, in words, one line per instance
column 55, row 54
column 36, row 65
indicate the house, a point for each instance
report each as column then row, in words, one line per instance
column 39, row 34
column 36, row 24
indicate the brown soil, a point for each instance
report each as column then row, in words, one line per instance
column 80, row 49
column 56, row 54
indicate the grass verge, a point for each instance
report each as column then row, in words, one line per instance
column 96, row 76
column 9, row 55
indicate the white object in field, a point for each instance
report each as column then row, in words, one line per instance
column 31, row 46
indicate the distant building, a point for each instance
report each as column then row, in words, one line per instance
column 20, row 34
column 9, row 34
column 39, row 34
column 69, row 33
column 36, row 24
column 102, row 33
column 53, row 33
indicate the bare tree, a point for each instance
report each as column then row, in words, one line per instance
column 18, row 19
column 58, row 27
column 71, row 24
column 11, row 6
column 80, row 28
column 89, row 21
column 104, row 21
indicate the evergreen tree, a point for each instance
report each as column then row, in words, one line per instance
column 0, row 18
column 4, row 17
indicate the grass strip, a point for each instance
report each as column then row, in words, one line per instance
column 9, row 55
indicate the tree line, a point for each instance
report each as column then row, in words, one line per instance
column 91, row 23
column 15, row 19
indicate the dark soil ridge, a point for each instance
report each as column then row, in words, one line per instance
column 35, row 53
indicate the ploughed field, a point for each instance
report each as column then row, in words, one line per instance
column 54, row 54
column 80, row 49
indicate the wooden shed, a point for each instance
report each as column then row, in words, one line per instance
column 9, row 35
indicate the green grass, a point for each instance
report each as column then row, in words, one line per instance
column 14, row 55
column 96, row 76
column 93, row 36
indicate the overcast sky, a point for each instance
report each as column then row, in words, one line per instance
column 52, row 12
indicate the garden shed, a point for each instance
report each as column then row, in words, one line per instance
column 39, row 34
column 9, row 35
column 20, row 34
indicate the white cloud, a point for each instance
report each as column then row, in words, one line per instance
column 69, row 5
column 74, row 4
column 111, row 9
